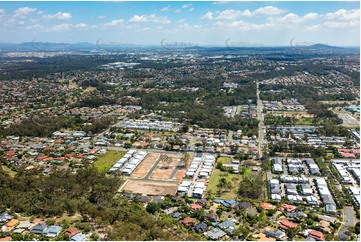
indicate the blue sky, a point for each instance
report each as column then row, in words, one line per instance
column 202, row 23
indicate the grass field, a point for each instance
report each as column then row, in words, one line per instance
column 89, row 89
column 9, row 171
column 105, row 162
column 224, row 160
column 304, row 121
column 233, row 178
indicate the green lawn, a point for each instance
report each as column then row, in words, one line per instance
column 248, row 171
column 224, row 160
column 9, row 171
column 106, row 161
column 233, row 178
column 304, row 121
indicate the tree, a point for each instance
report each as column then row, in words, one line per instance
column 251, row 187
column 153, row 207
column 185, row 159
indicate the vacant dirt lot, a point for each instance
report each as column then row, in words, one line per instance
column 145, row 166
column 166, row 168
column 180, row 174
column 151, row 188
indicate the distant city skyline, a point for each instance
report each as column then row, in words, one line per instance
column 232, row 24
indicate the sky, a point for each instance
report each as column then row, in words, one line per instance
column 247, row 23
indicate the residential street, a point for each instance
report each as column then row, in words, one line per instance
column 261, row 126
column 348, row 221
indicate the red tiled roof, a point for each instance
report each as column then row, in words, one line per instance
column 188, row 221
column 92, row 151
column 10, row 152
column 347, row 155
column 287, row 224
column 71, row 231
column 80, row 156
column 287, row 207
column 194, row 206
column 267, row 206
column 42, row 157
column 7, row 238
column 38, row 221
column 316, row 235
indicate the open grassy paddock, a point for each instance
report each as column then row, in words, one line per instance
column 233, row 178
column 106, row 161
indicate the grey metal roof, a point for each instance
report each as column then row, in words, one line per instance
column 216, row 233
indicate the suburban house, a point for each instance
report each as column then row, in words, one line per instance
column 215, row 234
column 39, row 229
column 53, row 231
column 71, row 231
column 200, row 227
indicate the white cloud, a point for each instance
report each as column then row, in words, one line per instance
column 60, row 28
column 291, row 18
column 165, row 9
column 268, row 10
column 114, row 22
column 343, row 19
column 208, row 16
column 221, row 2
column 342, row 24
column 187, row 5
column 239, row 25
column 149, row 18
column 23, row 12
column 58, row 16
column 229, row 14
column 315, row 27
column 246, row 13
column 32, row 27
column 67, row 27
column 178, row 10
column 343, row 14
column 81, row 26
column 311, row 16
column 288, row 20
column 102, row 17
column 2, row 13
column 191, row 9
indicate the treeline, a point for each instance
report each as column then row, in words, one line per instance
column 87, row 192
column 41, row 67
column 251, row 187
column 98, row 84
column 45, row 126
column 95, row 101
column 208, row 116
column 301, row 93
column 278, row 120
column 41, row 126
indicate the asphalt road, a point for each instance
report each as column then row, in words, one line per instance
column 350, row 216
column 153, row 168
column 349, row 220
column 261, row 127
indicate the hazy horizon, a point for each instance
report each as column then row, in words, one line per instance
column 234, row 24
